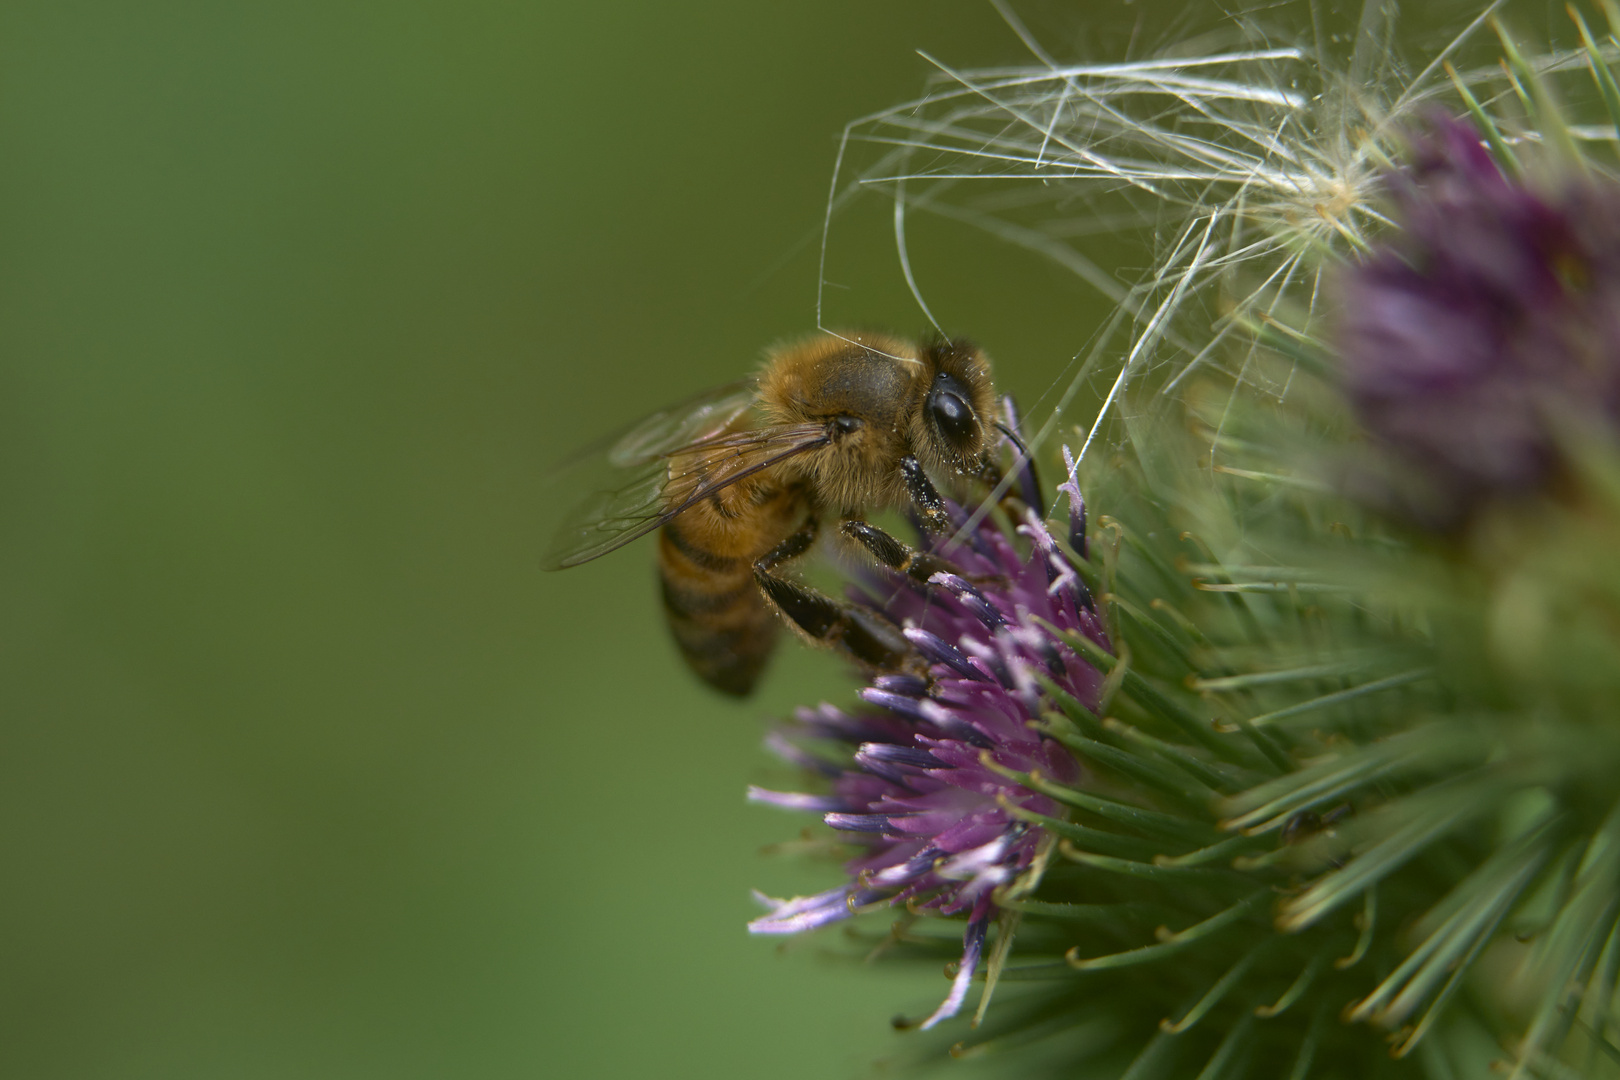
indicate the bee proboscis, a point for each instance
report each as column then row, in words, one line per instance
column 738, row 481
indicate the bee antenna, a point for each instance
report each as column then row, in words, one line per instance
column 1028, row 486
column 1012, row 437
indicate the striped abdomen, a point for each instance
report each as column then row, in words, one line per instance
column 722, row 622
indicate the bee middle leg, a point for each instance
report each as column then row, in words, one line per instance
column 895, row 554
column 865, row 635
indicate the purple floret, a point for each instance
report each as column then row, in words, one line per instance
column 933, row 817
column 1489, row 319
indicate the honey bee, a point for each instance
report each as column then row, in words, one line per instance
column 739, row 480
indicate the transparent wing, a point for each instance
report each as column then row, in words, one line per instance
column 653, row 491
column 701, row 416
column 610, row 517
column 618, row 479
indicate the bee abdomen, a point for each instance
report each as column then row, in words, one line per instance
column 720, row 621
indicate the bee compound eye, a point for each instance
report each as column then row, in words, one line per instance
column 952, row 415
column 846, row 424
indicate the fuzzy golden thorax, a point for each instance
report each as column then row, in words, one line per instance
column 881, row 398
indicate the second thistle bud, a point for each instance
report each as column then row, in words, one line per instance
column 1490, row 319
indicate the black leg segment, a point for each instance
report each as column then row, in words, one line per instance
column 791, row 548
column 919, row 565
column 866, row 636
column 923, row 493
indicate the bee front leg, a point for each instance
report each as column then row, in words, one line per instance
column 930, row 504
column 934, row 518
column 865, row 635
column 896, row 555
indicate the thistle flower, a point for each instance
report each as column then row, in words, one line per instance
column 1488, row 320
column 1332, row 780
column 935, row 789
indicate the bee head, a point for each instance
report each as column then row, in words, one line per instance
column 879, row 398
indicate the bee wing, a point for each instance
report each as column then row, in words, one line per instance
column 654, row 491
column 699, row 417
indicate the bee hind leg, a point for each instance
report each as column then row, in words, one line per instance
column 865, row 635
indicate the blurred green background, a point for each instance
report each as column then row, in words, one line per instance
column 306, row 769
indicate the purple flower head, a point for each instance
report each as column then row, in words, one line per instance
column 926, row 791
column 1491, row 317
